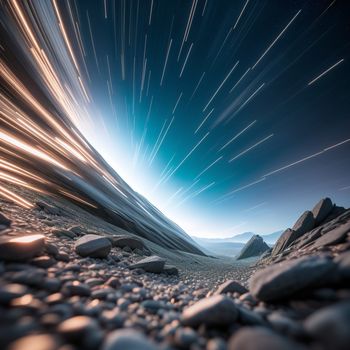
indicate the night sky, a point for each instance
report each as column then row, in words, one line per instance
column 197, row 103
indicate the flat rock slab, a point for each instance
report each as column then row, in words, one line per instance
column 217, row 310
column 21, row 247
column 250, row 338
column 322, row 209
column 154, row 264
column 305, row 223
column 127, row 339
column 127, row 241
column 93, row 246
column 335, row 236
column 231, row 286
column 283, row 280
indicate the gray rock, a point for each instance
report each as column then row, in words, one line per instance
column 76, row 288
column 11, row 291
column 127, row 241
column 127, row 339
column 4, row 220
column 47, row 208
column 37, row 342
column 93, row 246
column 330, row 326
column 250, row 338
column 21, row 247
column 285, row 240
column 214, row 311
column 322, row 209
column 171, row 270
column 184, row 337
column 43, row 261
column 63, row 233
column 231, row 286
column 153, row 264
column 283, row 280
column 254, row 247
column 335, row 236
column 305, row 223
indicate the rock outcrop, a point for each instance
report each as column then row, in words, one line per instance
column 254, row 247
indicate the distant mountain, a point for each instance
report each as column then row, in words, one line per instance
column 231, row 246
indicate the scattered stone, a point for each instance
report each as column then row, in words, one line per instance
column 78, row 230
column 47, row 208
column 93, row 246
column 37, row 342
column 63, row 234
column 214, row 311
column 185, row 337
column 128, row 241
column 330, row 326
column 21, row 247
column 12, row 291
column 255, row 246
column 43, row 261
column 127, row 339
column 322, row 209
column 231, row 286
column 283, row 280
column 76, row 288
column 249, row 338
column 4, row 221
column 171, row 270
column 154, row 264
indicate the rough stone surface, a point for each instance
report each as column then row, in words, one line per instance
column 280, row 281
column 322, row 209
column 127, row 241
column 154, row 264
column 231, row 286
column 216, row 310
column 305, row 223
column 20, row 247
column 335, row 236
column 93, row 246
column 255, row 246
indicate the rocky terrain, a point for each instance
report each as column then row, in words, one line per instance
column 254, row 247
column 69, row 280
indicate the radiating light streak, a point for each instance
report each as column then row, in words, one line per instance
column 344, row 188
column 105, row 8
column 241, row 78
column 92, row 41
column 204, row 7
column 250, row 97
column 204, row 120
column 184, row 65
column 166, row 61
column 15, row 198
column 161, row 141
column 195, row 194
column 307, row 158
column 158, row 138
column 208, row 167
column 196, row 88
column 15, row 180
column 150, row 13
column 78, row 199
column 255, row 207
column 174, row 195
column 244, row 187
column 220, row 86
column 240, row 15
column 274, row 42
column 177, row 102
column 237, row 135
column 250, row 148
column 188, row 154
column 325, row 72
column 148, row 82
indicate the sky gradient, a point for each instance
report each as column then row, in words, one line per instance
column 223, row 114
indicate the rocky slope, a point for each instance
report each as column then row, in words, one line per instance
column 254, row 247
column 69, row 280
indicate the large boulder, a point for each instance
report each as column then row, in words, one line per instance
column 305, row 223
column 93, row 246
column 338, row 235
column 254, row 247
column 21, row 247
column 286, row 239
column 154, row 264
column 217, row 310
column 322, row 209
column 231, row 286
column 280, row 281
column 330, row 326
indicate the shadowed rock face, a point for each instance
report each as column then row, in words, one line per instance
column 255, row 246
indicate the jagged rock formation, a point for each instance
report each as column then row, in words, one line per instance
column 314, row 230
column 254, row 247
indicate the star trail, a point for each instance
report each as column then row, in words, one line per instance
column 218, row 112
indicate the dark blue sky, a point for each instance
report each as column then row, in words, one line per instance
column 173, row 82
